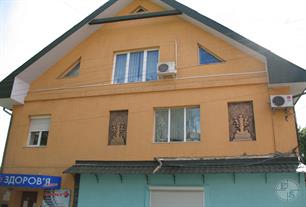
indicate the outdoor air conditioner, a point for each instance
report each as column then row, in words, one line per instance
column 166, row 70
column 281, row 101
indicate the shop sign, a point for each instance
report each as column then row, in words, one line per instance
column 30, row 181
column 56, row 198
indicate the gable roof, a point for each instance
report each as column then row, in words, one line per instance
column 280, row 71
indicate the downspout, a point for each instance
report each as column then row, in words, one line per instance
column 296, row 127
column 298, row 96
column 159, row 166
column 176, row 55
column 7, row 138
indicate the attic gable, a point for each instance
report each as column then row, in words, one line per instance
column 20, row 79
column 128, row 13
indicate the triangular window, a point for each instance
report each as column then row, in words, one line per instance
column 207, row 57
column 73, row 71
column 139, row 9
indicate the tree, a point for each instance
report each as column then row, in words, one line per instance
column 302, row 140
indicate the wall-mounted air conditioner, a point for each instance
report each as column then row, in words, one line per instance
column 166, row 70
column 281, row 101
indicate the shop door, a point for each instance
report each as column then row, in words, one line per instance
column 29, row 199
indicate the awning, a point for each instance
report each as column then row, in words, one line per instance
column 201, row 166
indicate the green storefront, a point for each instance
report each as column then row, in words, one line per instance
column 256, row 182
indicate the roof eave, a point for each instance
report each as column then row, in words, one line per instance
column 7, row 84
column 280, row 71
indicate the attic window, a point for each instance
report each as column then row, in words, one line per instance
column 207, row 57
column 73, row 70
column 139, row 9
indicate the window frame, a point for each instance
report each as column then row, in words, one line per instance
column 136, row 11
column 70, row 68
column 169, row 124
column 211, row 53
column 144, row 65
column 40, row 131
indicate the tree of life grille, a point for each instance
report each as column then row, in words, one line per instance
column 241, row 121
column 118, row 127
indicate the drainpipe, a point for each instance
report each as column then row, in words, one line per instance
column 7, row 137
column 298, row 96
column 296, row 126
column 159, row 166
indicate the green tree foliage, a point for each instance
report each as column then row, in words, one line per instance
column 302, row 139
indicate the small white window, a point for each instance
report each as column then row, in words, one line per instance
column 39, row 130
column 177, row 124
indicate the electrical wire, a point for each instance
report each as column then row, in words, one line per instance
column 133, row 112
column 110, row 81
column 107, row 66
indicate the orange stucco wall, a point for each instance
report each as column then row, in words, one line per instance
column 79, row 107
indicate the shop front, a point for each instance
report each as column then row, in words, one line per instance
column 231, row 183
column 27, row 190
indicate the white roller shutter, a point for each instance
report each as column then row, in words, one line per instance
column 40, row 123
column 177, row 197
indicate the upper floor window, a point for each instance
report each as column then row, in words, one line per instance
column 73, row 70
column 206, row 57
column 177, row 124
column 138, row 66
column 39, row 130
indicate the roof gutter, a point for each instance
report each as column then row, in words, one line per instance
column 7, row 111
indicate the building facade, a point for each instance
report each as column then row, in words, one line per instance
column 149, row 103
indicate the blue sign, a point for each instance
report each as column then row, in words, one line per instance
column 30, row 181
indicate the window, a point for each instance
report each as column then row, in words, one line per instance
column 139, row 9
column 118, row 127
column 135, row 66
column 73, row 70
column 39, row 130
column 207, row 57
column 177, row 124
column 241, row 121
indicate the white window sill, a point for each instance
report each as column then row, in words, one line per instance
column 182, row 142
column 34, row 146
column 129, row 83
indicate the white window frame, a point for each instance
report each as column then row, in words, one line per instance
column 144, row 67
column 40, row 131
column 169, row 122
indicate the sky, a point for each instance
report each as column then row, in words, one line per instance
column 27, row 26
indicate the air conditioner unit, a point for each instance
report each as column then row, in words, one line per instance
column 281, row 101
column 166, row 70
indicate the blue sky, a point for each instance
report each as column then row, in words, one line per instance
column 27, row 26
